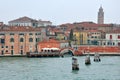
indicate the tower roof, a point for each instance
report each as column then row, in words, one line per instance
column 101, row 9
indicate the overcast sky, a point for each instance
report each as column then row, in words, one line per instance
column 60, row 11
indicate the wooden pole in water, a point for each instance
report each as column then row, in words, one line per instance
column 75, row 65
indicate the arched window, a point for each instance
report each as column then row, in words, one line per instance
column 11, row 39
column 21, row 40
column 30, row 39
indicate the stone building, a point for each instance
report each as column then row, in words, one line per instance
column 26, row 21
column 44, row 23
column 101, row 16
column 113, row 38
column 19, row 40
column 23, row 21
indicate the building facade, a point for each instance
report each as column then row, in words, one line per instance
column 44, row 23
column 113, row 38
column 101, row 16
column 23, row 21
column 51, row 43
column 26, row 21
column 19, row 40
column 80, row 37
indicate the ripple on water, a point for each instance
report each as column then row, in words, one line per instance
column 58, row 69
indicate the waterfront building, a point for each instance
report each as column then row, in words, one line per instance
column 61, row 36
column 101, row 16
column 51, row 43
column 19, row 40
column 80, row 37
column 94, row 37
column 64, row 44
column 113, row 38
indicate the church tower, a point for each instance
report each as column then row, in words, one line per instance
column 101, row 16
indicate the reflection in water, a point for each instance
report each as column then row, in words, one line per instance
column 75, row 71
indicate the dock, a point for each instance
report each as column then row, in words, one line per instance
column 44, row 54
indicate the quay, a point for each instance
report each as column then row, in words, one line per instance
column 44, row 54
column 103, row 54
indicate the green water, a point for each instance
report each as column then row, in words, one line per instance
column 22, row 68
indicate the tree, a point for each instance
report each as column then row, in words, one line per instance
column 71, row 35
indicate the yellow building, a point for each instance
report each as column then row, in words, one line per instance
column 80, row 37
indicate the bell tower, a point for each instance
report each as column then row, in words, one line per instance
column 101, row 16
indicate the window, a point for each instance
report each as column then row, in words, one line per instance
column 118, row 43
column 2, row 34
column 11, row 33
column 37, row 33
column 36, row 39
column 6, row 51
column 2, row 52
column 12, row 52
column 21, row 51
column 118, row 36
column 12, row 40
column 21, row 34
column 110, row 36
column 21, row 47
column 30, row 33
column 3, row 41
column 113, row 43
column 21, row 40
column 6, row 46
column 95, row 36
column 12, row 47
column 30, row 39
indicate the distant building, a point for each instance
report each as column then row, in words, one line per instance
column 94, row 37
column 113, row 38
column 101, row 16
column 80, row 37
column 44, row 23
column 26, row 21
column 23, row 21
column 1, row 23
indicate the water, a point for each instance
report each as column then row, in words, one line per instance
column 22, row 68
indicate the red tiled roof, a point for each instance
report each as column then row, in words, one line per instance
column 115, row 31
column 85, row 24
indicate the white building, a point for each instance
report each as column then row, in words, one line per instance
column 26, row 21
column 44, row 23
column 113, row 38
column 23, row 21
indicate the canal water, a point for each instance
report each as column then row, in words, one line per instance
column 22, row 68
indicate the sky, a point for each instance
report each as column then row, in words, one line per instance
column 60, row 11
